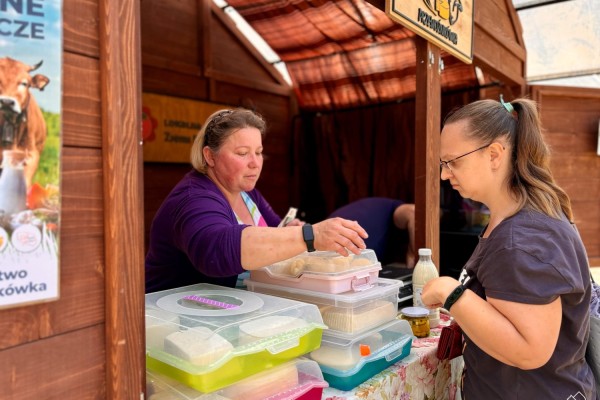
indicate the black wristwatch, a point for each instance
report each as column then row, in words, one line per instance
column 454, row 296
column 309, row 236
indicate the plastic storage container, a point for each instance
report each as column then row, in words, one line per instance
column 323, row 271
column 346, row 363
column 348, row 313
column 209, row 337
column 300, row 379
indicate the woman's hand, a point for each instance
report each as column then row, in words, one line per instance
column 436, row 291
column 339, row 235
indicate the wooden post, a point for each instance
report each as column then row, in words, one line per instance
column 120, row 72
column 427, row 148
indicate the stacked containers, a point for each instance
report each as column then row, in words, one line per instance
column 210, row 337
column 360, row 309
column 295, row 380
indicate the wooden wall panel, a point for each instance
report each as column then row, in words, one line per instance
column 230, row 56
column 174, row 83
column 69, row 366
column 570, row 117
column 170, row 32
column 159, row 179
column 80, row 27
column 497, row 42
column 81, row 102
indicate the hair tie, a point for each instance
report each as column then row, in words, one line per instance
column 508, row 106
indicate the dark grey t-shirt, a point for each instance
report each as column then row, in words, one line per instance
column 532, row 258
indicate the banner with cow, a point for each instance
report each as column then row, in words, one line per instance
column 30, row 141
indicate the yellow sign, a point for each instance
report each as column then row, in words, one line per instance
column 446, row 23
column 170, row 124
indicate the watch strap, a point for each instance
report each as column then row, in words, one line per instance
column 454, row 296
column 309, row 237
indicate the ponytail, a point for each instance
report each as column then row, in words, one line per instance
column 532, row 179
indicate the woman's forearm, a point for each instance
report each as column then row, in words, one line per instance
column 264, row 246
column 525, row 342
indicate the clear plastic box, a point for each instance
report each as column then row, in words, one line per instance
column 348, row 313
column 346, row 363
column 323, row 271
column 300, row 379
column 208, row 336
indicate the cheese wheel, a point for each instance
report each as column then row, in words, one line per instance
column 200, row 346
column 360, row 318
column 264, row 385
column 268, row 326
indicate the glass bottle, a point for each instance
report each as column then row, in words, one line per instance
column 13, row 189
column 425, row 271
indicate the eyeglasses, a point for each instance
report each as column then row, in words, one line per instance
column 447, row 164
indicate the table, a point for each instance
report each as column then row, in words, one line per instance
column 419, row 376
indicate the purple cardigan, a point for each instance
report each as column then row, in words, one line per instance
column 195, row 236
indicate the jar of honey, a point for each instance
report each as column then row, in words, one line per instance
column 418, row 318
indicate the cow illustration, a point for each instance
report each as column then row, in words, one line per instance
column 22, row 125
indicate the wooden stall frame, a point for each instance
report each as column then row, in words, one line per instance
column 120, row 72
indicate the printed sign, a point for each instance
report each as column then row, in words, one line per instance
column 30, row 145
column 170, row 126
column 446, row 23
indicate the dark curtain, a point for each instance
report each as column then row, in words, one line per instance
column 346, row 155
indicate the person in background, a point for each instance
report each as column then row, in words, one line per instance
column 523, row 297
column 215, row 224
column 380, row 217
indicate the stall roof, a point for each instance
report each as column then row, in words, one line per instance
column 344, row 53
column 349, row 53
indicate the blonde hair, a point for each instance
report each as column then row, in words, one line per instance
column 530, row 178
column 217, row 128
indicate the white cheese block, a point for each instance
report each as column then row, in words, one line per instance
column 344, row 358
column 159, row 324
column 358, row 319
column 264, row 385
column 268, row 326
column 200, row 346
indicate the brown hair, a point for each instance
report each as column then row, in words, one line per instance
column 530, row 178
column 218, row 127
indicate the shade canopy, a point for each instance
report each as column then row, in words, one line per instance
column 345, row 53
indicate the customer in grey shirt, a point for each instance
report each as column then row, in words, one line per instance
column 523, row 297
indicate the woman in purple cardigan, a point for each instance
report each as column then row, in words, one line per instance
column 215, row 224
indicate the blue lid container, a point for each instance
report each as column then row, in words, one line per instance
column 348, row 362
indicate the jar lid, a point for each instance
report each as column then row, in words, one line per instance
column 415, row 312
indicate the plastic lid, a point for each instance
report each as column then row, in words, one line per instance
column 415, row 312
column 424, row 252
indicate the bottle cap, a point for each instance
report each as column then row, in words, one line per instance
column 424, row 252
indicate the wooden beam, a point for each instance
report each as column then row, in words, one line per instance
column 120, row 76
column 427, row 148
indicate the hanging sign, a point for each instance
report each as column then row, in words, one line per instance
column 446, row 23
column 170, row 125
column 30, row 146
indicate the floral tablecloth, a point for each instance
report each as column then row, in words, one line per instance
column 419, row 376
